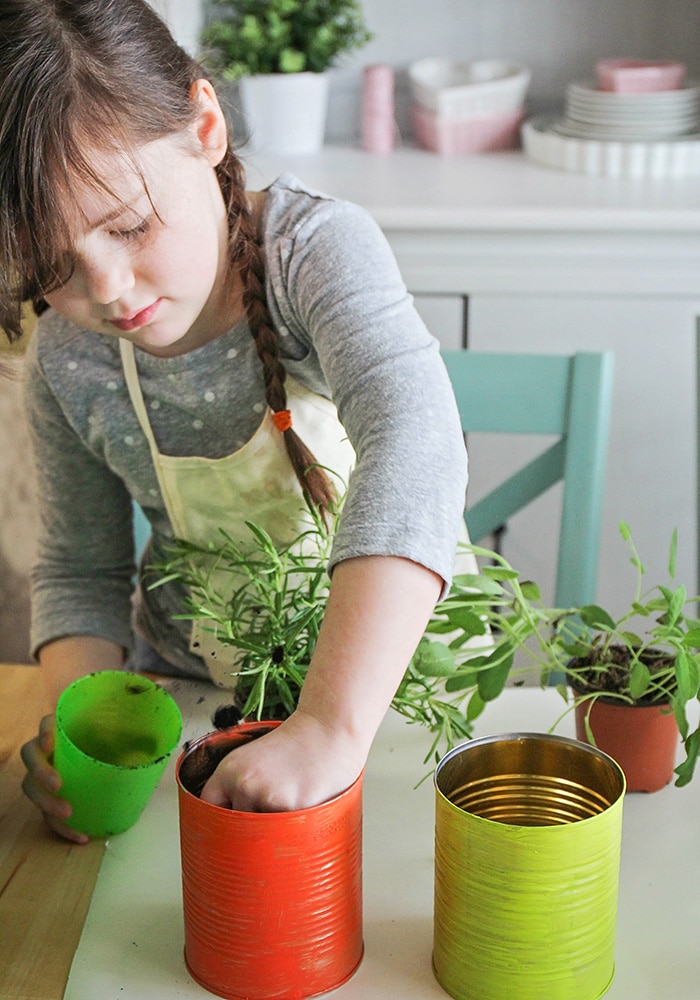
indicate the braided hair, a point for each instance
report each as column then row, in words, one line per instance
column 76, row 75
column 247, row 255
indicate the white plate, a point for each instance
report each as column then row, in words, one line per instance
column 671, row 127
column 582, row 130
column 588, row 92
column 632, row 115
column 674, row 158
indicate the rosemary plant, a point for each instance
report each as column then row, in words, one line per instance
column 268, row 602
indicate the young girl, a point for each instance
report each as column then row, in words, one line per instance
column 202, row 349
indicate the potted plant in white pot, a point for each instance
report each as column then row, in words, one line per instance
column 629, row 678
column 279, row 51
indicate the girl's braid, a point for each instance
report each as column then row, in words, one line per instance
column 247, row 256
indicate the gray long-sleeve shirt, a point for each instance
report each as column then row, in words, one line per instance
column 348, row 330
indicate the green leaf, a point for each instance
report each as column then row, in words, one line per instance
column 492, row 681
column 678, row 707
column 292, row 61
column 461, row 680
column 476, row 583
column 596, row 617
column 640, row 678
column 434, row 659
column 687, row 768
column 462, row 618
column 676, row 604
column 672, row 554
column 575, row 649
column 625, row 531
column 530, row 590
column 687, row 675
column 692, row 638
column 500, row 573
column 475, row 707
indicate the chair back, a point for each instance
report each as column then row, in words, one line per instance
column 142, row 530
column 568, row 397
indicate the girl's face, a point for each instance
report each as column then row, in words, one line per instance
column 150, row 258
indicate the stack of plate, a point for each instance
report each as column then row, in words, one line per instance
column 651, row 134
column 645, row 117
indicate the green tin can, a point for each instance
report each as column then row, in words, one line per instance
column 527, row 857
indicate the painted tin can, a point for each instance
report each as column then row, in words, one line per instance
column 272, row 901
column 527, row 856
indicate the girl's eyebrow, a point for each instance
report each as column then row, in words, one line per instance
column 116, row 212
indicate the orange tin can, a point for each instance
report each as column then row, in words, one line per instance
column 272, row 901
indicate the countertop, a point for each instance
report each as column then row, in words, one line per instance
column 411, row 188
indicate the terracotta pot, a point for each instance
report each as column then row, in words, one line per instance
column 272, row 901
column 643, row 739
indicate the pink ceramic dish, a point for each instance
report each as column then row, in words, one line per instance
column 448, row 136
column 639, row 76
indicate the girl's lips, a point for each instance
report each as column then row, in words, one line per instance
column 138, row 319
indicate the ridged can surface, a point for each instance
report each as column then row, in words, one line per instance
column 272, row 901
column 527, row 856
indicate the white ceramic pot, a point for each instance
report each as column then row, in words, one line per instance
column 285, row 112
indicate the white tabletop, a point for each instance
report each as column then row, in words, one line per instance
column 132, row 944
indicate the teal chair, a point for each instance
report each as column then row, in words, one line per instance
column 142, row 530
column 566, row 396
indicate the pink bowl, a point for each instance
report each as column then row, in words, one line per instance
column 639, row 76
column 486, row 134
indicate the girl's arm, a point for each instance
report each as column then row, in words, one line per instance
column 377, row 611
column 62, row 661
column 65, row 660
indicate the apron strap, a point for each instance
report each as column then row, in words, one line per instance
column 131, row 375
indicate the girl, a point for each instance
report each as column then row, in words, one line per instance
column 202, row 349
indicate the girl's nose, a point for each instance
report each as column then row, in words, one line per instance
column 109, row 277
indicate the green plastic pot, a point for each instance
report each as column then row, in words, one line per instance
column 114, row 734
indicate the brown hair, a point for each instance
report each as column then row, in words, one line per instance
column 81, row 74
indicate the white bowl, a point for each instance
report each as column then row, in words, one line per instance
column 454, row 89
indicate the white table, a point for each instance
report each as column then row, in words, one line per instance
column 132, row 943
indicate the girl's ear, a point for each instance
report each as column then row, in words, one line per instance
column 210, row 125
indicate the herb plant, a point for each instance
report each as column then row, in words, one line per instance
column 649, row 655
column 251, row 37
column 268, row 602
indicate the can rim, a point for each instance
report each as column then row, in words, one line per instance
column 248, row 730
column 522, row 737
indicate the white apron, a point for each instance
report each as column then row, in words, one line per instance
column 256, row 483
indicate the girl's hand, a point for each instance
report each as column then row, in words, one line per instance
column 297, row 765
column 42, row 781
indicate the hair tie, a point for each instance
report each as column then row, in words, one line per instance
column 283, row 420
